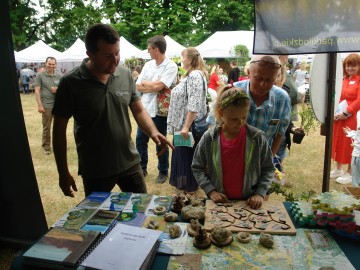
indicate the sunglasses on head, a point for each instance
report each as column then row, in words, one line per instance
column 267, row 63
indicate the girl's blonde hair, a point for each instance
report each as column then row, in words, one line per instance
column 214, row 69
column 229, row 95
column 196, row 61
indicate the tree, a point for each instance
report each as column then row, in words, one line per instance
column 62, row 22
column 242, row 54
column 24, row 24
column 188, row 22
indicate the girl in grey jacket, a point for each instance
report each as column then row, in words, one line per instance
column 231, row 109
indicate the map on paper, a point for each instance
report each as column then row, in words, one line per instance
column 309, row 249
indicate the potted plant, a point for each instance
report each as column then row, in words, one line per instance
column 308, row 121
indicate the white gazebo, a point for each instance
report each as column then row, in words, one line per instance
column 36, row 53
column 173, row 49
column 221, row 44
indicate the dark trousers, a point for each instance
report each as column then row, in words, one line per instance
column 131, row 180
column 142, row 146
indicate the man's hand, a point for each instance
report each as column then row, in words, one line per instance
column 217, row 197
column 163, row 142
column 255, row 201
column 41, row 109
column 67, row 185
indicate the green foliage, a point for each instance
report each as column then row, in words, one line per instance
column 242, row 54
column 289, row 196
column 188, row 22
column 308, row 120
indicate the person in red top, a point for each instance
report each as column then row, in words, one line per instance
column 233, row 160
column 341, row 147
column 214, row 81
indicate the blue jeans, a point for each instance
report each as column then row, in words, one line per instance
column 355, row 171
column 26, row 88
column 142, row 146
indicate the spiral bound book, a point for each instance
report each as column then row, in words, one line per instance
column 60, row 248
column 124, row 247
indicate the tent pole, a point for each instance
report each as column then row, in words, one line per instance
column 329, row 120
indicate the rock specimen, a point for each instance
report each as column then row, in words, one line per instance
column 244, row 237
column 189, row 212
column 159, row 210
column 193, row 227
column 221, row 237
column 153, row 224
column 171, row 217
column 178, row 203
column 266, row 240
column 201, row 239
column 174, row 231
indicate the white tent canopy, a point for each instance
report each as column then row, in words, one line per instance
column 221, row 43
column 173, row 49
column 76, row 52
column 36, row 53
column 127, row 50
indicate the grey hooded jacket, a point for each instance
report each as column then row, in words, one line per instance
column 259, row 168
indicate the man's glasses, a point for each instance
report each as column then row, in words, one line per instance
column 267, row 63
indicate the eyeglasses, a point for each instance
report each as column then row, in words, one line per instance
column 267, row 63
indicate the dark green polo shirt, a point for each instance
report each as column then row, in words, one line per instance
column 46, row 81
column 102, row 123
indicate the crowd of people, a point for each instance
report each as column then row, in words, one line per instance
column 233, row 158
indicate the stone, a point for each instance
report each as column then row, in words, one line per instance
column 174, row 231
column 189, row 212
column 193, row 227
column 244, row 237
column 266, row 240
column 201, row 239
column 153, row 224
column 221, row 237
column 171, row 217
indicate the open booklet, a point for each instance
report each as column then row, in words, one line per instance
column 180, row 141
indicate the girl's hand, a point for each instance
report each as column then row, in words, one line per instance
column 255, row 201
column 346, row 130
column 217, row 197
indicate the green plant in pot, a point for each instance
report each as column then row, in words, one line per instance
column 308, row 121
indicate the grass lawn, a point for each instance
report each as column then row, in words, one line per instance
column 303, row 168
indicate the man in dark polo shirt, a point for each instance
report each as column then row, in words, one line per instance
column 98, row 94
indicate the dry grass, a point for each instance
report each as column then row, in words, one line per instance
column 304, row 169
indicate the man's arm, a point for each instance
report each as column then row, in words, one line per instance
column 66, row 181
column 150, row 86
column 276, row 144
column 147, row 125
column 38, row 99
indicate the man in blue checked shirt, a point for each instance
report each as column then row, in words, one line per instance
column 270, row 107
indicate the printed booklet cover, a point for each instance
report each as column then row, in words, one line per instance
column 60, row 247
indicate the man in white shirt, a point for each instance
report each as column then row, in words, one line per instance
column 157, row 74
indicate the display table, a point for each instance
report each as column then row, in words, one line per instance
column 287, row 252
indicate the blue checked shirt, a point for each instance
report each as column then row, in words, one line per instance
column 273, row 116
